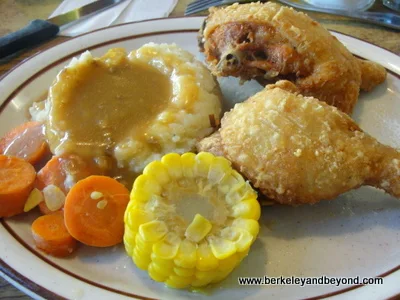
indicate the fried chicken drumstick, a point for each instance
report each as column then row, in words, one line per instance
column 269, row 42
column 298, row 149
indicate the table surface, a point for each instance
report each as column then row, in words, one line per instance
column 15, row 14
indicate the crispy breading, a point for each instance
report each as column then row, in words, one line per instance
column 269, row 42
column 372, row 74
column 211, row 144
column 298, row 149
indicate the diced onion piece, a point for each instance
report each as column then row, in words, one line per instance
column 53, row 197
column 35, row 197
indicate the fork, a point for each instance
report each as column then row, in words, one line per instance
column 390, row 20
column 200, row 5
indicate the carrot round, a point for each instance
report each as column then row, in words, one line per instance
column 17, row 178
column 51, row 236
column 59, row 171
column 26, row 141
column 63, row 171
column 94, row 211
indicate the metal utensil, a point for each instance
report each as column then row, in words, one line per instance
column 390, row 20
column 392, row 4
column 39, row 31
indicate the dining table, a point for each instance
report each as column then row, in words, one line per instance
column 15, row 14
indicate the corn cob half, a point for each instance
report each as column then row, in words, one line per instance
column 191, row 219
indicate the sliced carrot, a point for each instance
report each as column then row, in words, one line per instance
column 17, row 178
column 51, row 235
column 26, row 141
column 64, row 171
column 94, row 211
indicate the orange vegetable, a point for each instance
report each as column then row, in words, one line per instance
column 51, row 235
column 60, row 167
column 26, row 141
column 60, row 170
column 94, row 211
column 17, row 178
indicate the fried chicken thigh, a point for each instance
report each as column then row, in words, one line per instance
column 268, row 42
column 298, row 149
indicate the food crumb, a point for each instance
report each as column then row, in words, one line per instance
column 297, row 152
column 96, row 195
column 102, row 204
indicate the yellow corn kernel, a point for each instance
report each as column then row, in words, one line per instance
column 240, row 192
column 183, row 272
column 164, row 263
column 246, row 191
column 128, row 248
column 218, row 170
column 203, row 162
column 140, row 260
column 206, row 260
column 233, row 197
column 144, row 246
column 244, row 240
column 241, row 237
column 231, row 182
column 154, row 275
column 202, row 282
column 188, row 162
column 250, row 225
column 178, row 282
column 138, row 191
column 140, row 182
column 153, row 231
column 129, row 241
column 158, row 171
column 172, row 162
column 144, row 186
column 228, row 263
column 131, row 205
column 187, row 255
column 136, row 217
column 161, row 269
column 168, row 247
column 139, row 252
column 248, row 209
column 198, row 229
column 204, row 274
column 203, row 278
column 221, row 248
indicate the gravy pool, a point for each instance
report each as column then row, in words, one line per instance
column 105, row 100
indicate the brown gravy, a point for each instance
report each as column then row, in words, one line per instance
column 107, row 100
column 101, row 102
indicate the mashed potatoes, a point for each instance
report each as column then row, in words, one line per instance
column 125, row 111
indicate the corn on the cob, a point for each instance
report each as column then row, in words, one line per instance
column 191, row 220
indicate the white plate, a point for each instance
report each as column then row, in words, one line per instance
column 358, row 234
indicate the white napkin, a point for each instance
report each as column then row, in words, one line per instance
column 127, row 11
